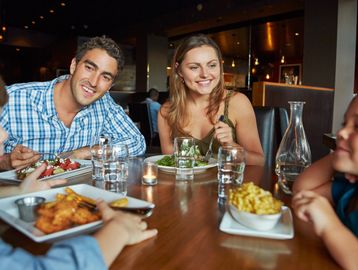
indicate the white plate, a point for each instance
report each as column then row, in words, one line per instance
column 9, row 211
column 86, row 166
column 168, row 169
column 283, row 230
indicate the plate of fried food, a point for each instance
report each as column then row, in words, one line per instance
column 56, row 168
column 67, row 211
column 253, row 211
column 166, row 163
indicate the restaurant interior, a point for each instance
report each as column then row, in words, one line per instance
column 261, row 42
column 274, row 51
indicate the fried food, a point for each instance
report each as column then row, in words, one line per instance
column 253, row 199
column 64, row 213
column 120, row 202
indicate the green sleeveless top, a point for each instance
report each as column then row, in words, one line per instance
column 203, row 144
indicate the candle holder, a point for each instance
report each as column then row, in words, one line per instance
column 150, row 173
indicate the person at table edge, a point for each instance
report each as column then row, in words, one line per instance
column 64, row 114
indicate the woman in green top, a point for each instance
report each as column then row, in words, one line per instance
column 198, row 98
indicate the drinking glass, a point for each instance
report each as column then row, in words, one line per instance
column 231, row 166
column 115, row 168
column 100, row 144
column 184, row 152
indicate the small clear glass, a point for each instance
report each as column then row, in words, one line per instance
column 184, row 152
column 115, row 167
column 98, row 143
column 231, row 167
column 150, row 174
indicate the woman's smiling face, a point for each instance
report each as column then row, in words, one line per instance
column 200, row 69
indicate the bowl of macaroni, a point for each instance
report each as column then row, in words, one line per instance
column 254, row 207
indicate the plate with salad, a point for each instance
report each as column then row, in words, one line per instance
column 166, row 163
column 56, row 168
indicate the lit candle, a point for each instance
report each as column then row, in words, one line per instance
column 150, row 171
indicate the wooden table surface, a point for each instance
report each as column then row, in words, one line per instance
column 187, row 216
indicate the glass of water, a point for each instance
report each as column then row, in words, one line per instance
column 115, row 168
column 99, row 147
column 231, row 166
column 184, row 152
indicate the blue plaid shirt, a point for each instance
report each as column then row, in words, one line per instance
column 30, row 118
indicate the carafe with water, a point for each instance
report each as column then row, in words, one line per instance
column 294, row 153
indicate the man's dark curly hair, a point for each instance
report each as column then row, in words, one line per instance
column 104, row 43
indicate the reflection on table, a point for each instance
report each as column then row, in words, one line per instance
column 187, row 216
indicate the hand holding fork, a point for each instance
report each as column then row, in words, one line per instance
column 209, row 152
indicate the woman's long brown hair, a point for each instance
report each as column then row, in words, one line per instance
column 177, row 116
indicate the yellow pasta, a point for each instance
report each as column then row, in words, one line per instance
column 253, row 199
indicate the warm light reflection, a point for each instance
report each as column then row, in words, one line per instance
column 269, row 36
column 267, row 76
column 253, row 70
column 283, row 59
column 149, row 193
column 42, row 17
column 297, row 34
column 63, row 4
column 26, row 27
column 233, row 63
column 256, row 62
column 33, row 22
column 51, row 11
column 4, row 28
column 1, row 37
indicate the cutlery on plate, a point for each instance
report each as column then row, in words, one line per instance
column 209, row 152
column 143, row 211
column 61, row 155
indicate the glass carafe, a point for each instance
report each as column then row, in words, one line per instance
column 293, row 154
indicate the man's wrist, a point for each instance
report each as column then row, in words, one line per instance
column 5, row 162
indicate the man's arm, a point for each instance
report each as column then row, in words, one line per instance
column 121, row 128
column 19, row 158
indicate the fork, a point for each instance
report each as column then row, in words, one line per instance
column 61, row 155
column 144, row 211
column 209, row 152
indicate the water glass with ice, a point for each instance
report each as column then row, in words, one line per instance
column 100, row 147
column 115, row 168
column 231, row 166
column 184, row 152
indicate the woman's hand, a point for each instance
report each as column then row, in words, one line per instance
column 31, row 184
column 311, row 207
column 223, row 133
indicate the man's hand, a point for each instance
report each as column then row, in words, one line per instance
column 22, row 157
column 31, row 184
column 81, row 153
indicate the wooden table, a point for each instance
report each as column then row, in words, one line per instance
column 188, row 216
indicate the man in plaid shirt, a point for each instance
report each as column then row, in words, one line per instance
column 64, row 114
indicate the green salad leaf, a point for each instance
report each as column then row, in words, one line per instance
column 169, row 161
